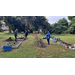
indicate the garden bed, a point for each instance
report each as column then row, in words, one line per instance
column 16, row 45
column 65, row 44
column 40, row 43
column 9, row 39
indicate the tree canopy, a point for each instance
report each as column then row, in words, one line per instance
column 23, row 23
column 60, row 27
column 32, row 23
column 71, row 28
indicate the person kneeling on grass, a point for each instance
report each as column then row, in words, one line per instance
column 48, row 36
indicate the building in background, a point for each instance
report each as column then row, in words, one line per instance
column 4, row 27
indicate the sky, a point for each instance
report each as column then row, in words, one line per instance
column 53, row 19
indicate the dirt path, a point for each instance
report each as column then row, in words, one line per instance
column 40, row 48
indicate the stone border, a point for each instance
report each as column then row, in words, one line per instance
column 65, row 44
column 16, row 46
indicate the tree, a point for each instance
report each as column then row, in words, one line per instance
column 28, row 21
column 71, row 17
column 0, row 27
column 40, row 22
column 60, row 27
column 23, row 23
column 63, row 22
column 71, row 28
column 7, row 20
column 18, row 23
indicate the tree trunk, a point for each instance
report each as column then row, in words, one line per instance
column 26, row 21
column 9, row 29
column 5, row 19
column 27, row 24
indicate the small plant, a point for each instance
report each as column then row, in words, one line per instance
column 39, row 36
column 53, row 36
column 13, row 38
column 8, row 45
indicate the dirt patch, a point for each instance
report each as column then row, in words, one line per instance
column 40, row 43
column 16, row 45
column 18, row 39
column 9, row 39
column 21, row 39
column 34, row 34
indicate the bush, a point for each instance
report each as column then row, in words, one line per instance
column 13, row 38
column 66, row 32
column 43, row 33
column 39, row 36
column 31, row 31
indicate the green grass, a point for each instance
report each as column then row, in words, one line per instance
column 29, row 49
column 39, row 36
column 58, row 51
column 67, row 38
column 25, row 50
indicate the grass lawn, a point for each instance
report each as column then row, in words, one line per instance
column 70, row 38
column 29, row 49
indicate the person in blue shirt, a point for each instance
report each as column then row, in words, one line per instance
column 48, row 36
column 15, row 34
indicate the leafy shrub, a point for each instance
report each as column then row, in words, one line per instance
column 13, row 38
column 66, row 32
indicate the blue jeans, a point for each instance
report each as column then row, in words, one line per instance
column 48, row 41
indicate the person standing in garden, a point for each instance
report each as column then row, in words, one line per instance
column 48, row 36
column 29, row 31
column 26, row 34
column 15, row 34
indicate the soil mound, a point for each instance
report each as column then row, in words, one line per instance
column 9, row 39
